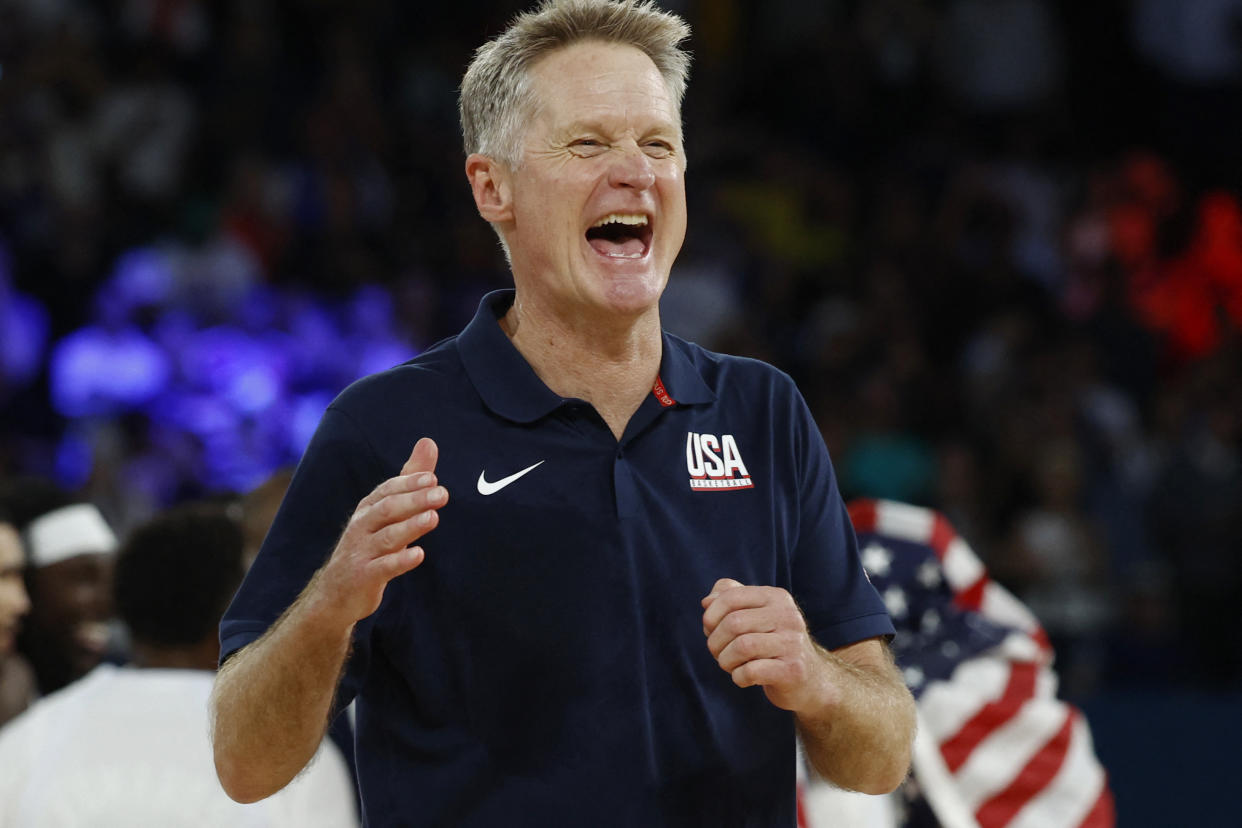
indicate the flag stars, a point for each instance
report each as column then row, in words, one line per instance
column 895, row 602
column 930, row 622
column 929, row 574
column 913, row 676
column 877, row 560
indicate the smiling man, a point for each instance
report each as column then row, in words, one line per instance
column 69, row 550
column 645, row 582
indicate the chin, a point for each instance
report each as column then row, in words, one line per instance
column 633, row 295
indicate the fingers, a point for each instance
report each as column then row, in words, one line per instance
column 767, row 672
column 757, row 646
column 401, row 509
column 758, row 636
column 401, row 518
column 738, row 623
column 719, row 587
column 729, row 595
column 422, row 458
column 399, row 562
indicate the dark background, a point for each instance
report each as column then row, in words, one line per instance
column 998, row 243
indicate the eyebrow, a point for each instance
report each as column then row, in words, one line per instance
column 661, row 128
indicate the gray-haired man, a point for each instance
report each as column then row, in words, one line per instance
column 602, row 629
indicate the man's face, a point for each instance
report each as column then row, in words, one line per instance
column 599, row 201
column 14, row 602
column 72, row 605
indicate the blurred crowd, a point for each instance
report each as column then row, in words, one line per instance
column 998, row 243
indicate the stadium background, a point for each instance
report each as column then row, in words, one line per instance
column 998, row 243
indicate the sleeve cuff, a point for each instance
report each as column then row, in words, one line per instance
column 854, row 630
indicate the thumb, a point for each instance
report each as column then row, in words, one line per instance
column 719, row 587
column 422, row 458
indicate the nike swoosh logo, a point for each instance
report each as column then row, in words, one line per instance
column 486, row 488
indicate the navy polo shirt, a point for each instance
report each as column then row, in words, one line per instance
column 546, row 664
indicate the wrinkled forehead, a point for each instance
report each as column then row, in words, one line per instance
column 596, row 79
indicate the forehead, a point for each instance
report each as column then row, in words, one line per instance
column 593, row 80
column 87, row 567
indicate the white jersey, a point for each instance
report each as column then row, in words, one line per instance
column 128, row 747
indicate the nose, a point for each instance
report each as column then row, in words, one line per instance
column 631, row 168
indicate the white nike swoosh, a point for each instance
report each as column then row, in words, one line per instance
column 486, row 488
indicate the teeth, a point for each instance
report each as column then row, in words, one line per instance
column 636, row 219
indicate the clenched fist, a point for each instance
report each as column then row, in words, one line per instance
column 757, row 634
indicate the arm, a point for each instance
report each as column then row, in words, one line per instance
column 854, row 712
column 272, row 699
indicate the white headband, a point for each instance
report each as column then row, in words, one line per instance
column 68, row 532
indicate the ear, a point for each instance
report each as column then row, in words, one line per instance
column 490, row 183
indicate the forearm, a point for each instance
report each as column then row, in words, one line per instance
column 272, row 699
column 860, row 737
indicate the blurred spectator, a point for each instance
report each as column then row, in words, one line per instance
column 25, row 325
column 128, row 745
column 1056, row 565
column 257, row 509
column 1195, row 48
column 1000, row 56
column 1196, row 519
column 69, row 556
column 17, row 686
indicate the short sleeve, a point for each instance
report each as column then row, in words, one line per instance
column 338, row 469
column 829, row 583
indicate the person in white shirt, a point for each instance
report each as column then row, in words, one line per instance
column 128, row 745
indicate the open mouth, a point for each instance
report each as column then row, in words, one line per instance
column 621, row 235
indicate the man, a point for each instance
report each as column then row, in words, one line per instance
column 69, row 554
column 16, row 679
column 128, row 745
column 602, row 627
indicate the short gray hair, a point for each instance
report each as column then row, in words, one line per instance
column 497, row 95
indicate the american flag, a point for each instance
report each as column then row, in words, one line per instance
column 996, row 747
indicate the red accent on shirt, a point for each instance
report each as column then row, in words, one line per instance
column 661, row 393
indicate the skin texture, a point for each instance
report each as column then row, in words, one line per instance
column 605, row 138
column 14, row 602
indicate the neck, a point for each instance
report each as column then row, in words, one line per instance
column 612, row 364
column 201, row 656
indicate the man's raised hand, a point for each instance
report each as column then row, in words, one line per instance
column 375, row 546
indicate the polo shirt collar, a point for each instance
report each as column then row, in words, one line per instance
column 681, row 378
column 503, row 378
column 512, row 389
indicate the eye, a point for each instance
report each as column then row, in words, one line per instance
column 587, row 146
column 658, row 149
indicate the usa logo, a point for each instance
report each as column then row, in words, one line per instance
column 715, row 463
